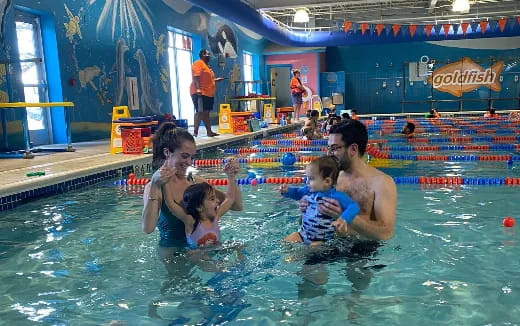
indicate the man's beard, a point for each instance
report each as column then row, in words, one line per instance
column 344, row 163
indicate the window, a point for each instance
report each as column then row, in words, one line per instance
column 248, row 72
column 180, row 58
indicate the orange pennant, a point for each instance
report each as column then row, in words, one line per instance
column 483, row 26
column 446, row 28
column 412, row 29
column 502, row 24
column 347, row 26
column 518, row 20
column 364, row 27
column 464, row 27
column 379, row 28
column 396, row 28
column 428, row 29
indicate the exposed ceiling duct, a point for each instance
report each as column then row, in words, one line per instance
column 243, row 14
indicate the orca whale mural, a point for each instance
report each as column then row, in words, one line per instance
column 224, row 43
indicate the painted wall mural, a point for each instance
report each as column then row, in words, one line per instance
column 73, row 26
column 224, row 42
column 4, row 6
column 131, row 16
column 103, row 42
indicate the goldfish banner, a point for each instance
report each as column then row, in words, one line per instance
column 464, row 76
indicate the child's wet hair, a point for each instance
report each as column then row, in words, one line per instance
column 193, row 198
column 327, row 167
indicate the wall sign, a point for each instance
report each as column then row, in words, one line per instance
column 464, row 76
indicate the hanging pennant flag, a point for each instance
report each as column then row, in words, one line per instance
column 347, row 26
column 428, row 29
column 404, row 30
column 455, row 28
column 518, row 20
column 493, row 25
column 379, row 28
column 364, row 27
column 388, row 29
column 412, row 29
column 464, row 27
column 474, row 27
column 396, row 28
column 502, row 24
column 446, row 28
column 483, row 26
column 437, row 29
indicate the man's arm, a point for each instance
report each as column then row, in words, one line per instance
column 385, row 202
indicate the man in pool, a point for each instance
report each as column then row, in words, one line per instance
column 376, row 195
column 373, row 190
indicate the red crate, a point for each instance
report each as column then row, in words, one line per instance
column 132, row 141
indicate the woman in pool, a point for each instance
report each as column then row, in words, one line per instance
column 173, row 152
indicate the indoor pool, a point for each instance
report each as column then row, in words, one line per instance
column 81, row 259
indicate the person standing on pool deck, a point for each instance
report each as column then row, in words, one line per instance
column 297, row 91
column 202, row 92
column 373, row 190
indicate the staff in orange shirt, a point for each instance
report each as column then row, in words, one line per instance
column 202, row 92
column 297, row 91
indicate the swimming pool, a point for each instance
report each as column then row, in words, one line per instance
column 81, row 258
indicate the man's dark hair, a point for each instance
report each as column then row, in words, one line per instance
column 203, row 53
column 352, row 132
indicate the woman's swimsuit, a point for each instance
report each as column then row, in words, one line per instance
column 171, row 228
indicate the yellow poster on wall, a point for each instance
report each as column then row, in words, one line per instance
column 268, row 113
column 224, row 119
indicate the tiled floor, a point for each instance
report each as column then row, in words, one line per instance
column 89, row 159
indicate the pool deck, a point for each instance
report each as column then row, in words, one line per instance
column 91, row 158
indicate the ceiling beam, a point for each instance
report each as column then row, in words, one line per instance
column 432, row 5
column 288, row 4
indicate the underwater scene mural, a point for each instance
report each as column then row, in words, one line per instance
column 103, row 42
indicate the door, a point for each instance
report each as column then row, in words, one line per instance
column 280, row 78
column 33, row 76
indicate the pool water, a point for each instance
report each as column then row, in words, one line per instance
column 81, row 259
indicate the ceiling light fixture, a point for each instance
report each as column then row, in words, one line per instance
column 460, row 6
column 301, row 16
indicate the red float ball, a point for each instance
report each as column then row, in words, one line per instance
column 131, row 176
column 508, row 222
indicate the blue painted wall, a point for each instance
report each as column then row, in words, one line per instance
column 112, row 47
column 367, row 67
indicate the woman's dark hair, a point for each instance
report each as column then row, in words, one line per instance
column 352, row 132
column 327, row 167
column 345, row 116
column 492, row 111
column 314, row 113
column 193, row 199
column 168, row 136
column 295, row 71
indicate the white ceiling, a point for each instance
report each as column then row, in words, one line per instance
column 330, row 15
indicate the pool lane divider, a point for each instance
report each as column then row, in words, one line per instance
column 446, row 180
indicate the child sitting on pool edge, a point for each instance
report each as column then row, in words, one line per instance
column 316, row 228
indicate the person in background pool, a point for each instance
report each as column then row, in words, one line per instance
column 433, row 113
column 409, row 129
column 345, row 116
column 491, row 114
column 173, row 152
column 311, row 127
column 354, row 115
